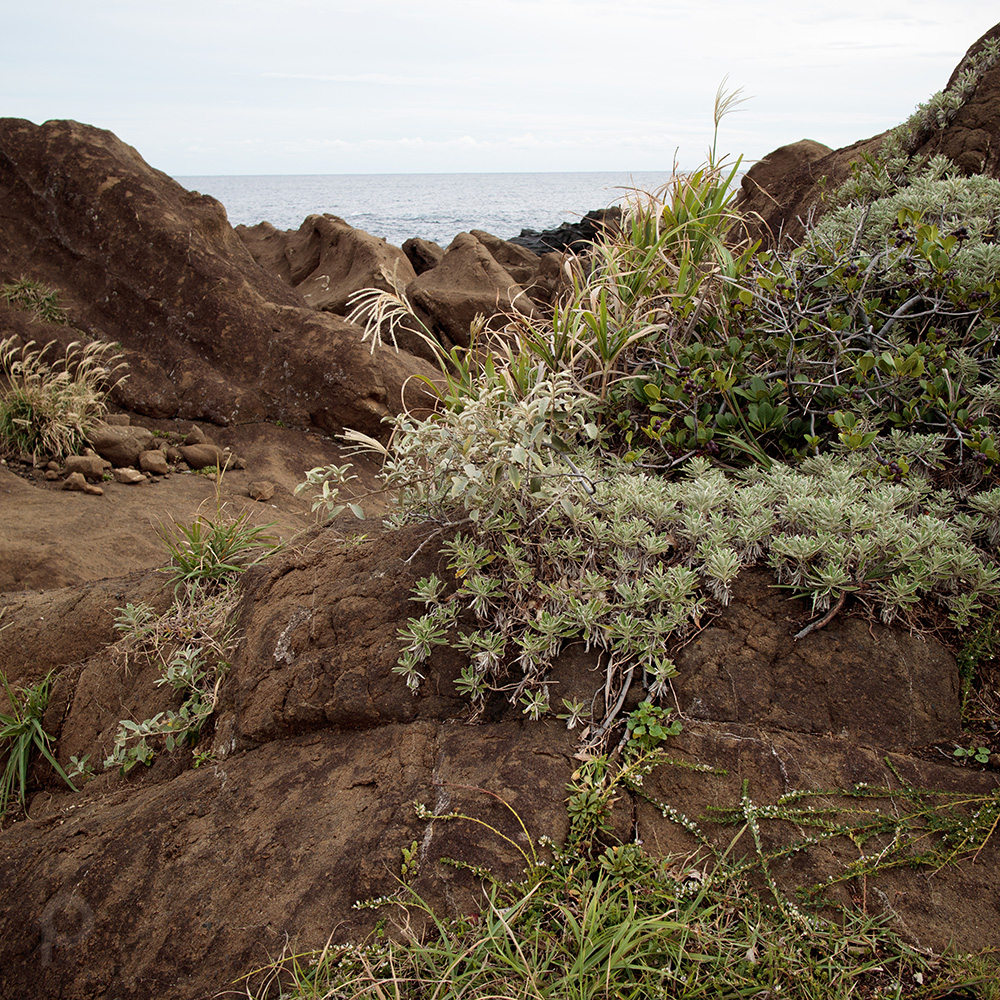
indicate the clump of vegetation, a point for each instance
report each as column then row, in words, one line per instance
column 208, row 554
column 48, row 403
column 192, row 642
column 693, row 407
column 22, row 737
column 35, row 298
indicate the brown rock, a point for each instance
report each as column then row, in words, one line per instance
column 763, row 185
column 154, row 461
column 877, row 685
column 90, row 466
column 327, row 260
column 298, row 675
column 75, row 481
column 128, row 477
column 466, row 283
column 120, row 445
column 195, row 436
column 147, row 390
column 261, row 490
column 201, row 456
column 159, row 270
column 424, row 255
column 520, row 263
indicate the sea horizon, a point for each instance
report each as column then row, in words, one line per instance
column 434, row 206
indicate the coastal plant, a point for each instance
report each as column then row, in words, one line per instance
column 838, row 345
column 575, row 475
column 22, row 737
column 627, row 563
column 190, row 644
column 35, row 298
column 209, row 552
column 893, row 164
column 648, row 727
column 48, row 404
column 972, row 754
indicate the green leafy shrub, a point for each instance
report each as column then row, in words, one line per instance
column 570, row 470
column 48, row 406
column 836, row 347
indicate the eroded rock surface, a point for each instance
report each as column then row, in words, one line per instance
column 139, row 260
column 174, row 881
column 328, row 260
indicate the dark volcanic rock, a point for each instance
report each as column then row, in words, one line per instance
column 139, row 260
column 573, row 236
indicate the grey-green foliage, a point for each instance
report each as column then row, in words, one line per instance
column 626, row 562
column 939, row 110
column 894, row 165
column 558, row 540
column 190, row 644
column 941, row 198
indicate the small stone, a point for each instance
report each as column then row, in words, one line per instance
column 121, row 446
column 53, row 466
column 75, row 481
column 261, row 490
column 51, row 474
column 90, row 466
column 195, row 436
column 154, row 462
column 117, row 419
column 129, row 476
column 200, row 456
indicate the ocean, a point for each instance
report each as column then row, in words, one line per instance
column 431, row 206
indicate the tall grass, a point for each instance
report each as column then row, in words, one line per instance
column 49, row 403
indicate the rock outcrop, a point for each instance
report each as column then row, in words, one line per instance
column 175, row 881
column 328, row 260
column 139, row 260
column 180, row 878
column 786, row 186
column 468, row 282
column 570, row 236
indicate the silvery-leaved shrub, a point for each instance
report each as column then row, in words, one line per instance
column 573, row 470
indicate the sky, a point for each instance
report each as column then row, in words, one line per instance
column 202, row 87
